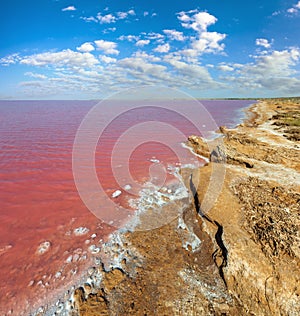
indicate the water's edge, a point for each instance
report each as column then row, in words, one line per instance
column 64, row 304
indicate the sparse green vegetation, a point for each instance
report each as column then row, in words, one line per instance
column 289, row 120
column 292, row 122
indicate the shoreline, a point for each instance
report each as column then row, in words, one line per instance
column 63, row 305
column 196, row 254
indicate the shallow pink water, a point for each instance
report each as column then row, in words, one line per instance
column 39, row 200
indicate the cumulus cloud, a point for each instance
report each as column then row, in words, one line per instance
column 86, row 70
column 174, row 35
column 106, row 19
column 272, row 72
column 138, row 63
column 184, row 72
column 149, row 57
column 131, row 12
column 10, row 59
column 142, row 43
column 107, row 47
column 35, row 75
column 275, row 13
column 225, row 68
column 263, row 42
column 63, row 58
column 208, row 42
column 124, row 15
column 189, row 70
column 294, row 9
column 183, row 17
column 72, row 73
column 107, row 59
column 108, row 30
column 162, row 48
column 154, row 36
column 89, row 19
column 198, row 22
column 276, row 64
column 204, row 41
column 69, row 8
column 86, row 47
column 143, row 70
column 109, row 17
column 129, row 38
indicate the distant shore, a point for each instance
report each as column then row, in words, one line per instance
column 240, row 257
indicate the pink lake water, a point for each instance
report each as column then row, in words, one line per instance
column 40, row 203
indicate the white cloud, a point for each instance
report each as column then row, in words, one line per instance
column 276, row 64
column 263, row 42
column 35, row 75
column 86, row 47
column 106, row 19
column 63, row 58
column 204, row 41
column 84, row 70
column 162, row 48
column 183, row 73
column 107, row 59
column 295, row 9
column 89, row 19
column 83, row 74
column 122, row 15
column 109, row 17
column 141, row 69
column 146, row 13
column 110, row 29
column 188, row 70
column 183, row 17
column 107, row 47
column 209, row 42
column 146, row 56
column 129, row 38
column 154, row 36
column 198, row 22
column 142, row 43
column 272, row 72
column 69, row 8
column 225, row 68
column 174, row 35
column 10, row 59
column 131, row 12
column 275, row 13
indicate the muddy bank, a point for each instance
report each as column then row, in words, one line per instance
column 240, row 257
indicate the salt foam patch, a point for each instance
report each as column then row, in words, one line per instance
column 189, row 239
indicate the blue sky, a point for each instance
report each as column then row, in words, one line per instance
column 57, row 49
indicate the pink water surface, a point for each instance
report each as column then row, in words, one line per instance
column 39, row 200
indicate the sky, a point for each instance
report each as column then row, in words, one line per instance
column 91, row 49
